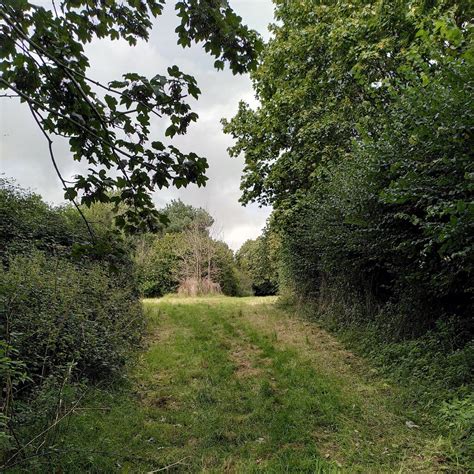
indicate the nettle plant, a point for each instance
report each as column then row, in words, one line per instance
column 43, row 64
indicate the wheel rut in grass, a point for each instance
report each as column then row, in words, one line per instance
column 310, row 393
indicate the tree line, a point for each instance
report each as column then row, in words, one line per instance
column 184, row 257
column 362, row 143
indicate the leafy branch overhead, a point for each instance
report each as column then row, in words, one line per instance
column 108, row 126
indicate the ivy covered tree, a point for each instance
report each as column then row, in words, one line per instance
column 44, row 65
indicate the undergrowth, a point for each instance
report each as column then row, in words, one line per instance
column 434, row 367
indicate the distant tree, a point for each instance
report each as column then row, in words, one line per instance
column 198, row 266
column 181, row 217
column 185, row 256
column 43, row 64
column 258, row 258
column 158, row 261
column 231, row 279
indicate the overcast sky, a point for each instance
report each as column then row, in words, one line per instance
column 24, row 153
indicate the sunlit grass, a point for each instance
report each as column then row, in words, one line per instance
column 212, row 299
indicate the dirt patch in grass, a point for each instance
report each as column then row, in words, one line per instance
column 244, row 367
column 160, row 335
column 244, row 355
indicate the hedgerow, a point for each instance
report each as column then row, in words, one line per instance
column 70, row 311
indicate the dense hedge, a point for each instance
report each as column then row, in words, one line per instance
column 395, row 220
column 362, row 143
column 70, row 307
column 59, row 313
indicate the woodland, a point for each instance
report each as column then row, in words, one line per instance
column 134, row 339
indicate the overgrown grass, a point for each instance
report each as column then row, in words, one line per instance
column 433, row 370
column 237, row 385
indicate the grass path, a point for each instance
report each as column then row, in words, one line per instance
column 237, row 385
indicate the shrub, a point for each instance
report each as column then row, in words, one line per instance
column 258, row 259
column 157, row 260
column 70, row 308
column 59, row 313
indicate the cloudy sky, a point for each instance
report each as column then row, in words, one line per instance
column 24, row 154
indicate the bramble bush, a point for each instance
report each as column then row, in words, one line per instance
column 60, row 313
column 70, row 308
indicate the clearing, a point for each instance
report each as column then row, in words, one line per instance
column 238, row 385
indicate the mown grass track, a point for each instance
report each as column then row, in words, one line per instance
column 238, row 385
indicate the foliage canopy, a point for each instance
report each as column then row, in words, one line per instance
column 362, row 143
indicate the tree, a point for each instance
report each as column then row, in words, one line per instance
column 361, row 143
column 198, row 267
column 181, row 217
column 258, row 258
column 185, row 256
column 158, row 261
column 325, row 80
column 42, row 62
